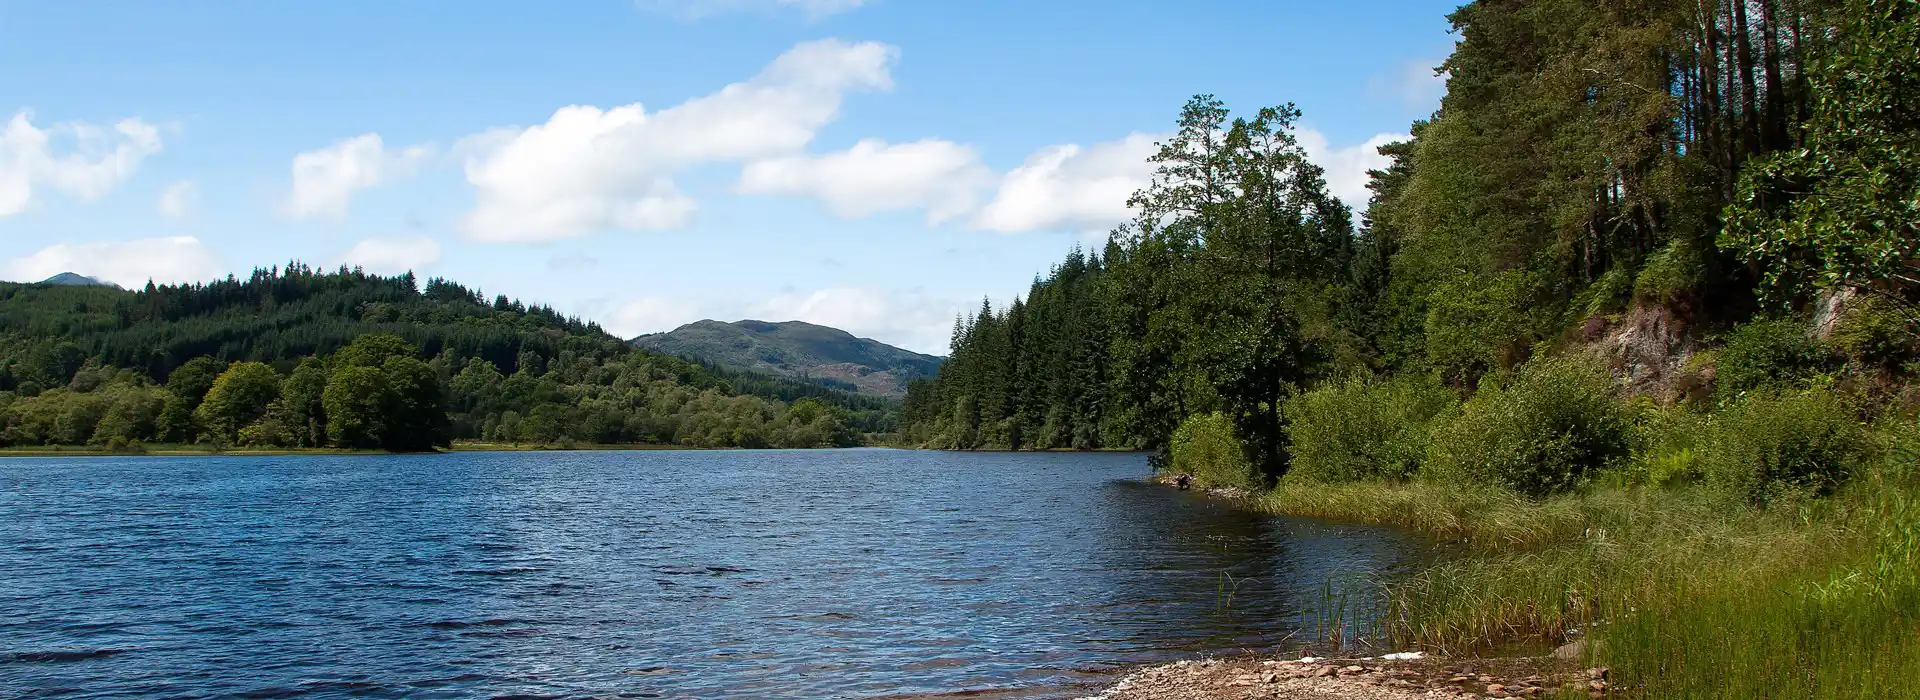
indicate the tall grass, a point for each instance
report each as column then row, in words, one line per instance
column 1689, row 591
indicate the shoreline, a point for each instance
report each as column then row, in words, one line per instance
column 458, row 447
column 1405, row 676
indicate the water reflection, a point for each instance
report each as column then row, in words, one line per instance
column 724, row 574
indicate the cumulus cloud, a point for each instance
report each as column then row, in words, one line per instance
column 325, row 179
column 701, row 9
column 588, row 169
column 651, row 315
column 94, row 160
column 1347, row 167
column 874, row 176
column 909, row 320
column 180, row 199
column 1071, row 187
column 392, row 256
column 129, row 264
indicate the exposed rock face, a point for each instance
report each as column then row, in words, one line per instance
column 1647, row 349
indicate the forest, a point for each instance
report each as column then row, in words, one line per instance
column 1632, row 316
column 296, row 357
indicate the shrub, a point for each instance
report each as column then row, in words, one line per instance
column 1772, row 444
column 1476, row 324
column 1670, row 440
column 1551, row 425
column 1766, row 354
column 1670, row 273
column 1359, row 430
column 1875, row 333
column 1205, row 447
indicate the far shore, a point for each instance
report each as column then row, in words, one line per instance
column 172, row 450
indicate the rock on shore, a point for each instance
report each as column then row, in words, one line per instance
column 1386, row 678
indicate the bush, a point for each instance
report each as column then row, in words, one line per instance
column 1766, row 354
column 1205, row 447
column 1875, row 333
column 1671, row 273
column 1551, row 425
column 1669, row 446
column 1770, row 445
column 1360, row 430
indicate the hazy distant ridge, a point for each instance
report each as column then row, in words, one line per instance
column 798, row 349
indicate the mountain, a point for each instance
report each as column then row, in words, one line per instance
column 797, row 349
column 70, row 279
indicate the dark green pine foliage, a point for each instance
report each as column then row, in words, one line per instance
column 1577, row 176
column 365, row 361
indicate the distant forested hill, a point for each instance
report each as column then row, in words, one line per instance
column 795, row 349
column 74, row 358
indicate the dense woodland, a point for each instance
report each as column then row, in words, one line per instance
column 1592, row 164
column 298, row 357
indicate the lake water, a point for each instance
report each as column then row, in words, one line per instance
column 851, row 573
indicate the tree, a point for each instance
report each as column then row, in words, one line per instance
column 415, row 417
column 238, row 398
column 1844, row 210
column 355, row 401
column 188, row 385
column 302, row 398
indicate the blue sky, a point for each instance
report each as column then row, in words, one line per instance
column 877, row 165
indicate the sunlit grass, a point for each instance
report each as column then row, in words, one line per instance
column 1684, row 592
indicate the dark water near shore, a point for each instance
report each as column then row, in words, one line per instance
column 634, row 574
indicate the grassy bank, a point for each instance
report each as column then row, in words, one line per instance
column 1766, row 548
column 1681, row 592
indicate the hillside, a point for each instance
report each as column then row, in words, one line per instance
column 797, row 349
column 75, row 358
column 72, row 279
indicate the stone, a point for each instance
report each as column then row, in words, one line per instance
column 1353, row 669
column 1598, row 674
column 1571, row 651
column 1495, row 688
column 1323, row 672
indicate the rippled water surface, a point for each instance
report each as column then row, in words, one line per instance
column 633, row 574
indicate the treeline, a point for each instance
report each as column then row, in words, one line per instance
column 77, row 358
column 1657, row 174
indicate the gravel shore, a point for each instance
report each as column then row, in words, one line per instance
column 1396, row 677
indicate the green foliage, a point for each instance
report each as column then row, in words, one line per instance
column 1479, row 324
column 1359, row 429
column 355, row 400
column 1843, row 210
column 1774, row 444
column 485, row 358
column 1876, row 333
column 237, row 398
column 1206, row 448
column 1767, row 354
column 1544, row 431
column 1671, row 273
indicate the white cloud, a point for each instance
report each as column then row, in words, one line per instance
column 1414, row 84
column 99, row 158
column 909, row 320
column 588, row 169
column 392, row 256
column 651, row 315
column 325, row 179
column 874, row 176
column 1071, row 187
column 128, row 264
column 700, row 9
column 1347, row 167
column 180, row 200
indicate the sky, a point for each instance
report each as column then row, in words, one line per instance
column 874, row 165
